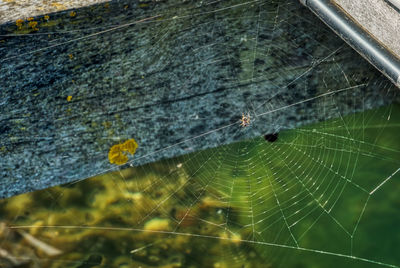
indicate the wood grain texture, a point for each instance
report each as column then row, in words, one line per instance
column 379, row 18
column 174, row 76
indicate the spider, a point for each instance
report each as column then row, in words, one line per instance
column 245, row 121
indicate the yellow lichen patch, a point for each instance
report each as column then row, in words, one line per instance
column 118, row 152
column 130, row 146
column 72, row 14
column 30, row 19
column 19, row 23
column 69, row 98
column 116, row 155
column 157, row 224
column 33, row 25
column 46, row 17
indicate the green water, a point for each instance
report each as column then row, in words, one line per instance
column 323, row 195
column 322, row 176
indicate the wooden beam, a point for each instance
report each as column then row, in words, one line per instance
column 175, row 76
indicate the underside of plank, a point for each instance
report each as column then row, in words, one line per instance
column 175, row 77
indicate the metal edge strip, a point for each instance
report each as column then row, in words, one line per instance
column 395, row 4
column 354, row 35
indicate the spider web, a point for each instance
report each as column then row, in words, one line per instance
column 323, row 193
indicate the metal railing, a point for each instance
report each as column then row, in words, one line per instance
column 357, row 37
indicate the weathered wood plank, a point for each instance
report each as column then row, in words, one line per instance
column 381, row 18
column 12, row 10
column 175, row 76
